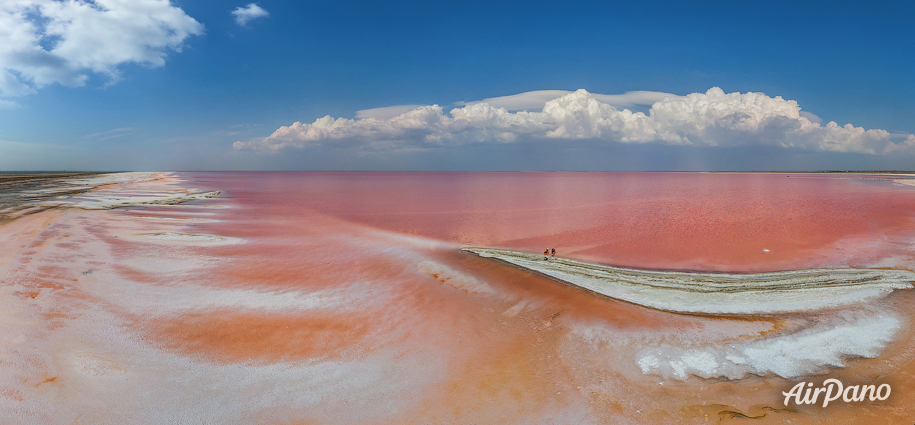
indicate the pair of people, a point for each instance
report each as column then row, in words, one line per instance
column 547, row 252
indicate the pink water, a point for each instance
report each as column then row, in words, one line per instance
column 344, row 298
column 652, row 220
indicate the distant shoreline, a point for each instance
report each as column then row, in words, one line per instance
column 7, row 177
column 20, row 190
column 809, row 172
column 14, row 177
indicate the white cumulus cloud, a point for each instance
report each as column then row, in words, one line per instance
column 243, row 15
column 52, row 41
column 385, row 112
column 713, row 118
column 538, row 98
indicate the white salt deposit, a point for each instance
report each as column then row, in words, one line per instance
column 716, row 293
column 94, row 365
column 171, row 300
column 95, row 371
column 172, row 219
column 103, row 201
column 160, row 211
column 722, row 348
column 704, row 330
column 856, row 333
column 207, row 207
column 108, row 191
column 68, row 356
column 187, row 239
column 117, row 178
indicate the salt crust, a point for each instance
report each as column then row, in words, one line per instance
column 118, row 190
column 855, row 333
column 723, row 348
column 169, row 219
column 179, row 210
column 717, row 293
column 109, row 191
column 91, row 368
column 187, row 239
column 88, row 366
column 107, row 365
column 169, row 300
column 111, row 377
column 118, row 178
column 102, row 201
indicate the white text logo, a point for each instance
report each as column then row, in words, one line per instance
column 832, row 390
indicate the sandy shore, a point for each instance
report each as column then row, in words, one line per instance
column 715, row 293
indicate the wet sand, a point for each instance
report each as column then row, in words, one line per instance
column 345, row 298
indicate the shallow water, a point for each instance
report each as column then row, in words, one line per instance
column 344, row 298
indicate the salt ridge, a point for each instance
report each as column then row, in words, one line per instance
column 716, row 293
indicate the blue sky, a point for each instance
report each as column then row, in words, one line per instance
column 221, row 82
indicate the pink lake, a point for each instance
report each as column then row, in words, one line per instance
column 650, row 220
column 306, row 297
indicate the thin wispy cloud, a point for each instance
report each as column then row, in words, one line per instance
column 114, row 136
column 43, row 42
column 243, row 15
column 8, row 104
column 109, row 134
column 710, row 119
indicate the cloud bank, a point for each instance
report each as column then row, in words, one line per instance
column 711, row 119
column 386, row 112
column 537, row 99
column 532, row 100
column 243, row 15
column 49, row 41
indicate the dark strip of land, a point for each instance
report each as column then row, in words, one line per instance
column 7, row 178
column 20, row 192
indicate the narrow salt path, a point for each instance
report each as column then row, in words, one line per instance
column 715, row 293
